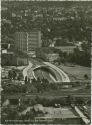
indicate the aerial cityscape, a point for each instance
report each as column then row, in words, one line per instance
column 46, row 62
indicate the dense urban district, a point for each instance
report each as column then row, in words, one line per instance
column 46, row 62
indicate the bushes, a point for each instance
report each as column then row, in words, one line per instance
column 63, row 101
column 51, row 102
column 15, row 74
column 43, row 85
column 11, row 88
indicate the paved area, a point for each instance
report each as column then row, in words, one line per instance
column 59, row 112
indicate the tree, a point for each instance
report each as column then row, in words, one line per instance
column 25, row 79
column 14, row 74
column 86, row 76
column 10, row 74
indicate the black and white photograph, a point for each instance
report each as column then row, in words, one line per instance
column 46, row 62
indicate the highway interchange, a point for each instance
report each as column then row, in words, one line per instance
column 64, row 78
column 60, row 74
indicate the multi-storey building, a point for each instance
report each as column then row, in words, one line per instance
column 28, row 41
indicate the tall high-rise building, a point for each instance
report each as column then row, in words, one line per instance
column 27, row 41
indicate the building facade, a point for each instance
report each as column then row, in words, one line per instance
column 28, row 41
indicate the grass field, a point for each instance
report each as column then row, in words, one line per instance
column 76, row 73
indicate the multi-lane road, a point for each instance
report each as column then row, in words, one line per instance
column 61, row 75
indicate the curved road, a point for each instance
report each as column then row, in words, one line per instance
column 25, row 71
column 64, row 76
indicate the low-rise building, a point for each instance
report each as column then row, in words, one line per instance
column 52, row 57
column 67, row 49
column 47, row 54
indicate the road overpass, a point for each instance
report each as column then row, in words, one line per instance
column 64, row 76
column 56, row 74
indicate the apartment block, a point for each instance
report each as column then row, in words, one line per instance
column 28, row 41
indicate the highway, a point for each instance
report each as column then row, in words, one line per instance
column 61, row 75
column 64, row 76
